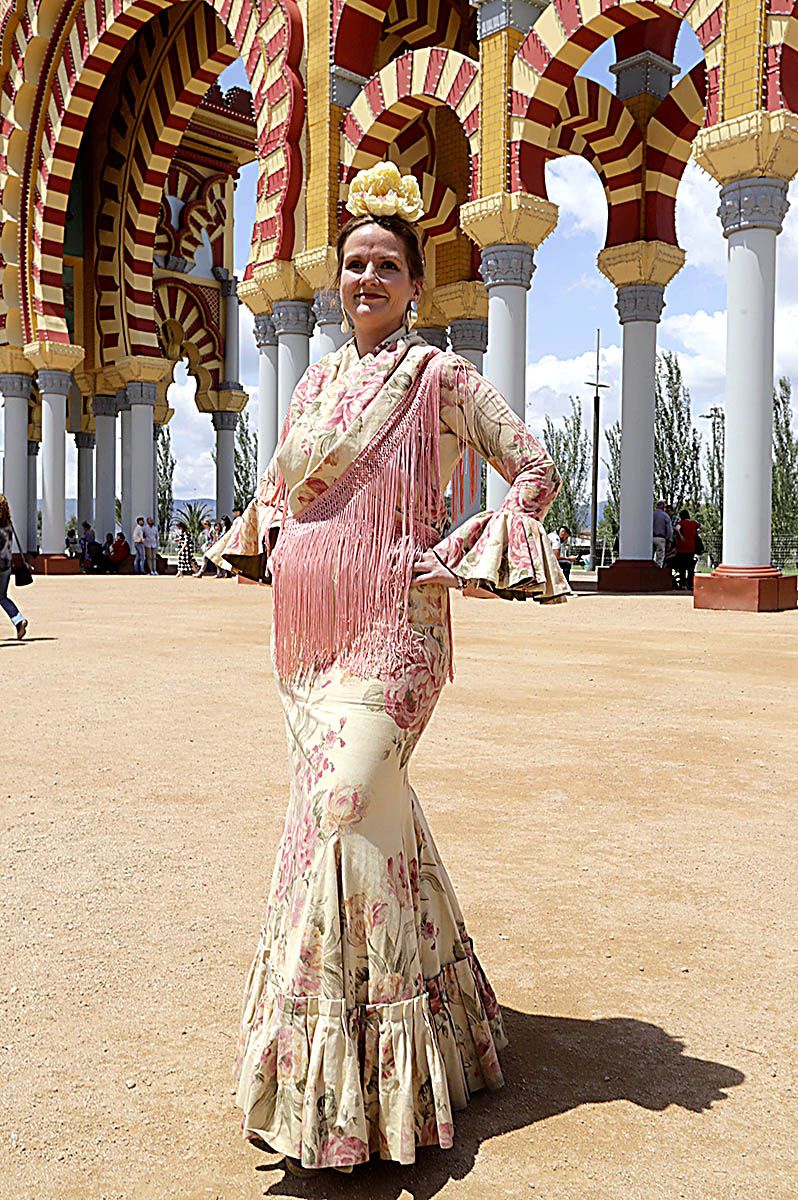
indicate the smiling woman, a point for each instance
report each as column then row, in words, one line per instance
column 380, row 274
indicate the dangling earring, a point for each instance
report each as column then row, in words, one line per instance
column 345, row 326
column 411, row 316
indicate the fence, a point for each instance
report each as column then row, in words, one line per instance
column 783, row 554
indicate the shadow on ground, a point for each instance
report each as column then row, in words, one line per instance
column 553, row 1065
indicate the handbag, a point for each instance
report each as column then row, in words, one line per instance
column 22, row 573
column 699, row 543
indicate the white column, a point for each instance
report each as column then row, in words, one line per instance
column 469, row 339
column 225, row 425
column 33, row 506
column 268, row 430
column 105, row 464
column 84, row 443
column 752, row 212
column 141, row 397
column 154, row 510
column 231, row 359
column 293, row 324
column 123, row 408
column 54, row 387
column 639, row 309
column 329, row 335
column 16, row 389
column 507, row 271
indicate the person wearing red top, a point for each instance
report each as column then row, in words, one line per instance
column 686, row 550
column 119, row 553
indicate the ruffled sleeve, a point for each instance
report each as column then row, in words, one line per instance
column 506, row 552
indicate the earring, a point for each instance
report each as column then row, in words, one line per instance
column 411, row 316
column 345, row 326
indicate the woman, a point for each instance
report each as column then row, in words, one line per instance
column 6, row 555
column 367, row 1017
column 185, row 550
column 686, row 545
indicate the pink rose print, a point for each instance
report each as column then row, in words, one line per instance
column 343, row 808
column 307, row 981
column 429, row 932
column 411, row 697
column 377, row 913
column 306, row 841
column 341, row 1151
column 285, row 870
column 388, row 989
column 397, row 879
column 355, row 918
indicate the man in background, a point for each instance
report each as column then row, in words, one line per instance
column 139, row 547
column 662, row 533
column 151, row 546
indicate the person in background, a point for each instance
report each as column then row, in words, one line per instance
column 687, row 547
column 71, row 546
column 662, row 533
column 6, row 555
column 119, row 553
column 108, row 544
column 139, row 547
column 151, row 546
column 86, row 538
column 185, row 550
column 223, row 527
column 207, row 538
column 558, row 544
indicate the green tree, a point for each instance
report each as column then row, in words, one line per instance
column 193, row 513
column 245, row 480
column 784, row 519
column 677, row 445
column 569, row 446
column 610, row 522
column 165, row 492
column 711, row 512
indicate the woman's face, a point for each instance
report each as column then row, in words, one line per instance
column 376, row 287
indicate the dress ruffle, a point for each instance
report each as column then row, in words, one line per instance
column 506, row 552
column 360, row 1071
column 242, row 547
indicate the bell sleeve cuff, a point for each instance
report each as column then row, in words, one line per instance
column 507, row 553
column 244, row 547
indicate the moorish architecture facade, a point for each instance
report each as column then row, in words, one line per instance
column 117, row 162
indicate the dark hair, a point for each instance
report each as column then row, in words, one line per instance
column 684, row 515
column 181, row 525
column 565, row 529
column 407, row 234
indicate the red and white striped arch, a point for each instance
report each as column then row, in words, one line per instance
column 781, row 55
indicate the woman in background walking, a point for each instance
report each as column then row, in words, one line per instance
column 185, row 550
column 6, row 555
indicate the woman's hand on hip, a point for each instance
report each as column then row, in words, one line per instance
column 428, row 568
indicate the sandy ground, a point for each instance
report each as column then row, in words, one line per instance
column 612, row 784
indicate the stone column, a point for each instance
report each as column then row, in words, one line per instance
column 507, row 271
column 230, row 293
column 84, row 443
column 469, row 338
column 434, row 334
column 32, row 531
column 123, row 408
column 328, row 313
column 293, row 324
column 268, row 430
column 16, row 390
column 104, row 407
column 54, row 387
column 156, row 428
column 141, row 398
column 225, row 425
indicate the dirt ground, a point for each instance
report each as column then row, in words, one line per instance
column 612, row 784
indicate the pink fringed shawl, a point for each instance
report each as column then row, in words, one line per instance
column 343, row 565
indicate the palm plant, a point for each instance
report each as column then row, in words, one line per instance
column 192, row 514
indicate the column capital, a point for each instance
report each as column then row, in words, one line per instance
column 85, row 441
column 58, row 382
column 122, row 400
column 513, row 264
column 760, row 144
column 275, row 281
column 264, row 332
column 104, row 405
column 33, row 448
column 640, row 302
column 142, row 368
column 508, row 217
column 495, row 15
column 14, row 383
column 141, row 392
column 293, row 316
column 468, row 333
column 432, row 334
column 228, row 283
column 232, row 396
column 644, row 74
column 224, row 420
column 753, row 204
column 640, row 263
column 327, row 308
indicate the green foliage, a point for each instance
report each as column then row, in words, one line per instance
column 784, row 520
column 165, row 493
column 245, row 480
column 677, row 445
column 711, row 511
column 569, row 446
column 193, row 513
column 610, row 521
column 71, row 525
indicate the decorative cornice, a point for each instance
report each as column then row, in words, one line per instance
column 54, row 382
column 327, row 308
column 16, row 384
column 466, row 299
column 318, row 267
column 345, row 86
column 507, row 217
column 646, row 73
column 753, row 204
column 14, row 362
column 104, row 406
column 234, row 399
column 276, row 280
column 468, row 333
column 141, row 391
column 433, row 334
column 495, row 15
column 142, row 369
column 760, row 144
column 53, row 356
column 512, row 264
column 85, row 441
column 264, row 332
column 640, row 302
column 293, row 316
column 224, row 421
column 640, row 263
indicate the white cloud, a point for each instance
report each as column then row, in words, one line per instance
column 698, row 228
column 576, row 189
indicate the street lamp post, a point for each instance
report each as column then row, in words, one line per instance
column 596, row 384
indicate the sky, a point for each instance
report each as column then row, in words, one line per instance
column 568, row 301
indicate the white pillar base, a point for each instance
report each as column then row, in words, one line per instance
column 16, row 390
column 54, row 387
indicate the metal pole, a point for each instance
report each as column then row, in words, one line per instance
column 597, row 385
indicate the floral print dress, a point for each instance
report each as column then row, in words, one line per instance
column 367, row 1017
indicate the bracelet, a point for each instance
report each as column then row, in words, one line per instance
column 460, row 582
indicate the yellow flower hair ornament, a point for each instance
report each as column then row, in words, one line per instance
column 380, row 191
